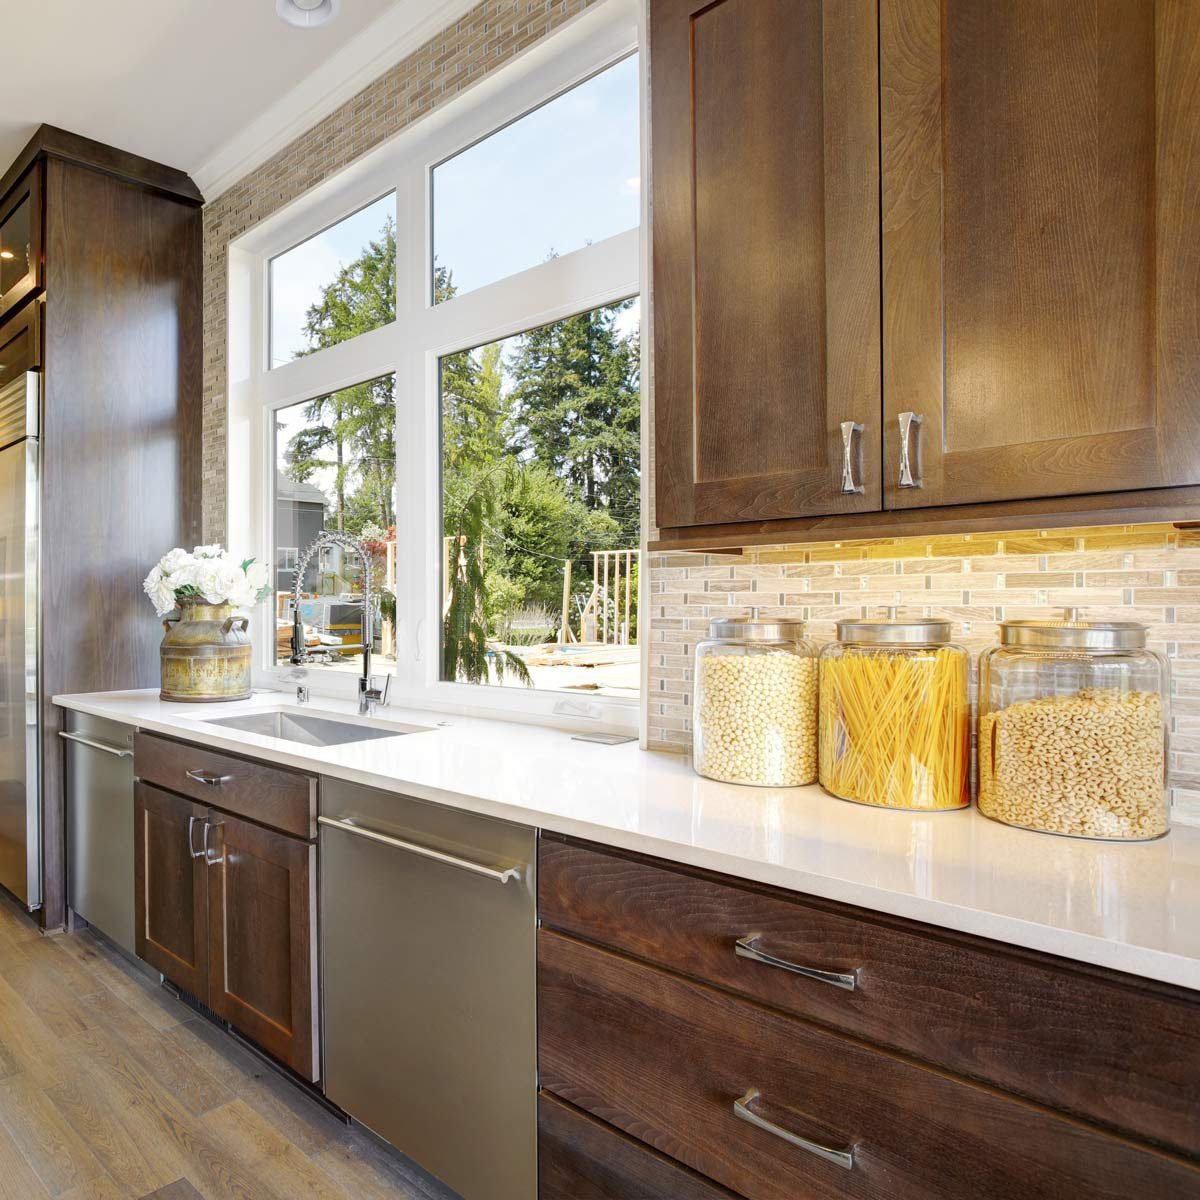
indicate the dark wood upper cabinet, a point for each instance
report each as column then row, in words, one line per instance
column 171, row 886
column 766, row 257
column 1041, row 246
column 262, row 938
column 21, row 263
column 1033, row 267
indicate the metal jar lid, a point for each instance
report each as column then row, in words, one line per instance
column 887, row 631
column 751, row 629
column 1069, row 633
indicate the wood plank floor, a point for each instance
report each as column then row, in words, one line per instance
column 110, row 1089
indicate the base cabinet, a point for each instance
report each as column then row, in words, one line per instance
column 581, row 1158
column 261, row 943
column 171, row 882
column 674, row 1064
column 226, row 910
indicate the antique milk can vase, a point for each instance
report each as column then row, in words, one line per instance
column 205, row 654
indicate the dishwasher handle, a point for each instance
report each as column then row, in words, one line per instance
column 499, row 874
column 117, row 751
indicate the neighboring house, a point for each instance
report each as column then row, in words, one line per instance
column 299, row 517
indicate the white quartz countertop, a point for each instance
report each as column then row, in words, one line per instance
column 1133, row 907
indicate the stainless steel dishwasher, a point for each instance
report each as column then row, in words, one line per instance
column 429, row 936
column 99, row 794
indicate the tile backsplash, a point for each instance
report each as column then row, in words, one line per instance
column 1147, row 573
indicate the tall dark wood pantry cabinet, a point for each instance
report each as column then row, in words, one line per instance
column 101, row 294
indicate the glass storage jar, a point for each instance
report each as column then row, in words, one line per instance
column 895, row 715
column 1072, row 729
column 754, row 714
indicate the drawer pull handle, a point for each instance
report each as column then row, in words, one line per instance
column 743, row 1112
column 747, row 947
column 209, row 777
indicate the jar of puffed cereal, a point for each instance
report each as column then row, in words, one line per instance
column 754, row 712
column 1073, row 729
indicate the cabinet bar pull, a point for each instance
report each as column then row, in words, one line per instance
column 209, row 826
column 500, row 875
column 209, row 777
column 907, row 478
column 743, row 1112
column 191, row 840
column 118, row 751
column 747, row 947
column 849, row 429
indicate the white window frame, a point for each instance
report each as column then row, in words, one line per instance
column 410, row 347
column 289, row 558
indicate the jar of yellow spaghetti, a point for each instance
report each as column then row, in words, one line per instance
column 754, row 717
column 895, row 715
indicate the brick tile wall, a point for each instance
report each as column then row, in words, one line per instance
column 488, row 36
column 1148, row 573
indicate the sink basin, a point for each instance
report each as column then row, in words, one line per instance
column 307, row 730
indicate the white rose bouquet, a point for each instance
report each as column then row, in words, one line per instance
column 210, row 574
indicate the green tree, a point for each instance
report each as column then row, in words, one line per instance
column 577, row 410
column 353, row 431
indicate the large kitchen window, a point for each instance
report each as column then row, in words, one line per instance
column 451, row 374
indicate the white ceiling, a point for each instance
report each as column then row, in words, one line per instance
column 208, row 86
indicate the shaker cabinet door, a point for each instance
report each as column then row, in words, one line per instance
column 262, row 938
column 1041, row 248
column 171, row 882
column 766, row 258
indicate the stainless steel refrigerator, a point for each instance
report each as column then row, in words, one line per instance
column 20, row 693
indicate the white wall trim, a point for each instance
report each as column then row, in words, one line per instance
column 392, row 37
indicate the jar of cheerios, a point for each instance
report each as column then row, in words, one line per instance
column 1072, row 729
column 754, row 712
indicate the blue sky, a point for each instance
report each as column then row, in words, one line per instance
column 558, row 178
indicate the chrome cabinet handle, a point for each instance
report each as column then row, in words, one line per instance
column 191, row 840
column 500, row 875
column 743, row 1112
column 209, row 826
column 209, row 777
column 117, row 751
column 746, row 947
column 907, row 478
column 849, row 429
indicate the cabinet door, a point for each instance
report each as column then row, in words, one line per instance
column 766, row 258
column 262, row 938
column 171, row 897
column 21, row 239
column 1041, row 246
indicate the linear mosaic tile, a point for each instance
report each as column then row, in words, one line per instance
column 1148, row 573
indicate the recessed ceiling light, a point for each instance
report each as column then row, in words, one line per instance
column 307, row 13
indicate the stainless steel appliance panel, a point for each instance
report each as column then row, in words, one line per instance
column 20, row 792
column 99, row 784
column 428, row 922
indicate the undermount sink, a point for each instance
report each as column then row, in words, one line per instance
column 308, row 730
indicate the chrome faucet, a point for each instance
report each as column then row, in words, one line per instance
column 370, row 691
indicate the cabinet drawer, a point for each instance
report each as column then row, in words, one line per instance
column 668, row 1060
column 274, row 796
column 580, row 1158
column 1119, row 1051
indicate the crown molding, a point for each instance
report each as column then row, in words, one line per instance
column 393, row 36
